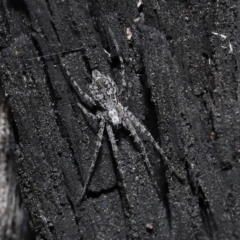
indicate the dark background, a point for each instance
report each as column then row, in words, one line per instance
column 181, row 64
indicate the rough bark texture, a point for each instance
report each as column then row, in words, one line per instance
column 10, row 212
column 183, row 85
column 13, row 217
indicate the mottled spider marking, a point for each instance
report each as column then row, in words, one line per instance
column 104, row 92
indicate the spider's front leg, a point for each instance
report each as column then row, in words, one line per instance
column 94, row 158
column 124, row 84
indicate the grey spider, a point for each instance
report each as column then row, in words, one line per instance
column 104, row 94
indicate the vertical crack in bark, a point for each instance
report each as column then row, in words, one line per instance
column 19, row 6
column 206, row 74
column 205, row 211
column 152, row 126
column 207, row 216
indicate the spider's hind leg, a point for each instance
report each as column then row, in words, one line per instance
column 133, row 132
column 143, row 130
column 115, row 155
column 94, row 158
column 113, row 141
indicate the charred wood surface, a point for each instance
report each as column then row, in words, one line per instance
column 181, row 61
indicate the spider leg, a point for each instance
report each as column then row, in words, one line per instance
column 123, row 73
column 133, row 132
column 84, row 97
column 86, row 112
column 94, row 158
column 143, row 130
column 115, row 154
column 120, row 59
column 113, row 141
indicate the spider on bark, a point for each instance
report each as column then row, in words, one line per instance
column 104, row 94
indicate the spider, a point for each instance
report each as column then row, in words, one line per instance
column 104, row 94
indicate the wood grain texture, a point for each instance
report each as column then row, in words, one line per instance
column 182, row 84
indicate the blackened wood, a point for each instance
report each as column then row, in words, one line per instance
column 181, row 63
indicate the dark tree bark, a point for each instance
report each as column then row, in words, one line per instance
column 181, row 63
column 13, row 217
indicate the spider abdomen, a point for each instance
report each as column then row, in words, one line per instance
column 103, row 90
